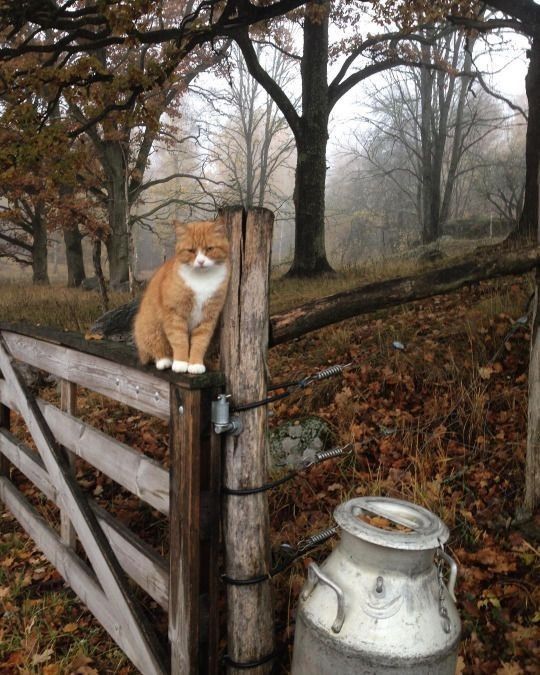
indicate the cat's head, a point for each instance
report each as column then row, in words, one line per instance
column 202, row 244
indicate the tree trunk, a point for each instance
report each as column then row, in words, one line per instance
column 74, row 257
column 527, row 228
column 457, row 142
column 429, row 223
column 440, row 131
column 96, row 259
column 118, row 209
column 444, row 91
column 40, row 273
column 309, row 191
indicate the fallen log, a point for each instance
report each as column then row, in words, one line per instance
column 398, row 291
column 115, row 324
column 315, row 314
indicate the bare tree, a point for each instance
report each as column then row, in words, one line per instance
column 178, row 185
column 245, row 136
column 358, row 58
column 521, row 16
column 425, row 125
column 500, row 178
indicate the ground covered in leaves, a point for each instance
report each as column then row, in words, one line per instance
column 434, row 406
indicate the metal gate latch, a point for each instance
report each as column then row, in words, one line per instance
column 223, row 421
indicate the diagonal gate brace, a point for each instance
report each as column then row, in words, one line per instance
column 134, row 633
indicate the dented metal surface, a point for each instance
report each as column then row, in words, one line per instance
column 379, row 603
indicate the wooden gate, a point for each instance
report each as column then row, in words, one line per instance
column 186, row 583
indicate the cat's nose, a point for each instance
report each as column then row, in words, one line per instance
column 199, row 262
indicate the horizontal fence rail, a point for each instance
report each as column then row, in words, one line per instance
column 139, row 561
column 141, row 475
column 190, row 488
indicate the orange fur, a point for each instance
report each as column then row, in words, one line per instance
column 182, row 303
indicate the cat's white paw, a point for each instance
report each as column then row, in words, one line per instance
column 180, row 366
column 161, row 364
column 196, row 368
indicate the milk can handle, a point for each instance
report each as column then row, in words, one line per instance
column 314, row 576
column 453, row 572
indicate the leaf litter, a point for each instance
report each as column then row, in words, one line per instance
column 440, row 423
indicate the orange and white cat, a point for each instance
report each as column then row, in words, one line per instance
column 182, row 303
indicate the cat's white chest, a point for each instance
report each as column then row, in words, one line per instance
column 204, row 283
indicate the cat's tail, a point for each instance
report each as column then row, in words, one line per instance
column 144, row 356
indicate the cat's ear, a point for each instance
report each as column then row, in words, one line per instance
column 179, row 228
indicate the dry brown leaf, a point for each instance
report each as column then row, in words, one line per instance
column 79, row 661
column 496, row 560
column 15, row 659
column 510, row 669
column 42, row 658
column 51, row 669
column 485, row 372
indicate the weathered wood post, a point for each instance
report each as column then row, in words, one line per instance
column 68, row 403
column 532, row 464
column 244, row 344
column 5, row 420
column 195, row 476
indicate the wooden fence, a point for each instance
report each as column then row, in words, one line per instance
column 185, row 584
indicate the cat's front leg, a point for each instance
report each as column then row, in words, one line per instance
column 200, row 339
column 176, row 330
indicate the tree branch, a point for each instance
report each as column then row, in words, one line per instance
column 268, row 83
column 82, row 35
column 338, row 91
column 15, row 242
column 199, row 180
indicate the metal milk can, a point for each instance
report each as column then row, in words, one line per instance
column 379, row 603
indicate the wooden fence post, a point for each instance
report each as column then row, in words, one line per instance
column 195, row 477
column 5, row 421
column 68, row 403
column 532, row 466
column 532, row 463
column 244, row 344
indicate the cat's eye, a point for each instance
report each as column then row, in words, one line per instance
column 210, row 248
column 191, row 250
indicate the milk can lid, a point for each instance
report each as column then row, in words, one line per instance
column 391, row 522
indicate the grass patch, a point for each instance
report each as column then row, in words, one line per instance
column 286, row 293
column 56, row 306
